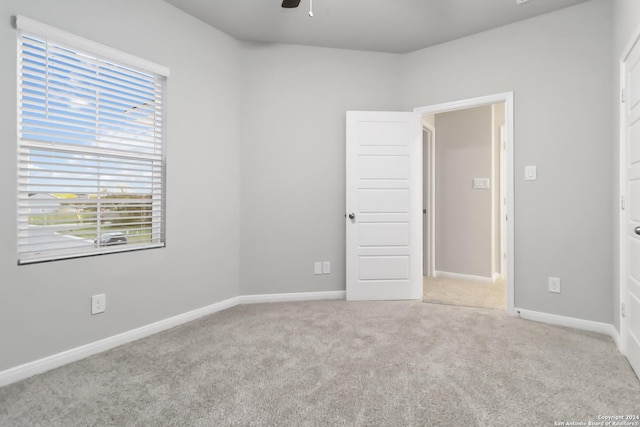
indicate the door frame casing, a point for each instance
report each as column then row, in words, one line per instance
column 429, row 194
column 503, row 206
column 507, row 167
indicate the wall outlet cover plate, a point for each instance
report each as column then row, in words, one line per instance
column 98, row 303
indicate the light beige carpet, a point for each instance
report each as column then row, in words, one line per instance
column 337, row 363
column 467, row 294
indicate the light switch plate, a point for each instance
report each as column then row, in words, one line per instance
column 530, row 173
column 317, row 267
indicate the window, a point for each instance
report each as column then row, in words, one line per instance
column 91, row 147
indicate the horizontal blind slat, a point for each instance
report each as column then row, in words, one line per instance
column 96, row 151
column 60, row 63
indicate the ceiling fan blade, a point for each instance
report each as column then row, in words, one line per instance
column 290, row 3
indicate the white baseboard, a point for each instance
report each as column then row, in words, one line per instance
column 40, row 366
column 301, row 296
column 51, row 362
column 466, row 277
column 616, row 338
column 571, row 322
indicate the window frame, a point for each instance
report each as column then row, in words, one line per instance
column 157, row 198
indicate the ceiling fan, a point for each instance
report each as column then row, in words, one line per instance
column 290, row 4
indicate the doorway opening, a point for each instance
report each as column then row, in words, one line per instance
column 468, row 202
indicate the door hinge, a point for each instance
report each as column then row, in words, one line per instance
column 622, row 202
column 622, row 310
column 622, row 96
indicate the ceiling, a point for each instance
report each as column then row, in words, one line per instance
column 396, row 26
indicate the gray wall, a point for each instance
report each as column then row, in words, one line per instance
column 293, row 159
column 45, row 308
column 559, row 67
column 463, row 214
column 260, row 128
column 626, row 20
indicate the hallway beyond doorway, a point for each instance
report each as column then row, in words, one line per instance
column 458, row 292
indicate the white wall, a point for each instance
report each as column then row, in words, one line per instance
column 559, row 67
column 463, row 214
column 45, row 308
column 626, row 20
column 293, row 158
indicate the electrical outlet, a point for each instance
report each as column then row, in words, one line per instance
column 554, row 285
column 480, row 183
column 326, row 267
column 98, row 303
column 317, row 267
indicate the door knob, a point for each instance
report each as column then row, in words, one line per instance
column 352, row 216
column 637, row 230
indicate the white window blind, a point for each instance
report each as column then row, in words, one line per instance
column 91, row 149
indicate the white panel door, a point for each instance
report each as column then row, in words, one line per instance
column 384, row 206
column 631, row 214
